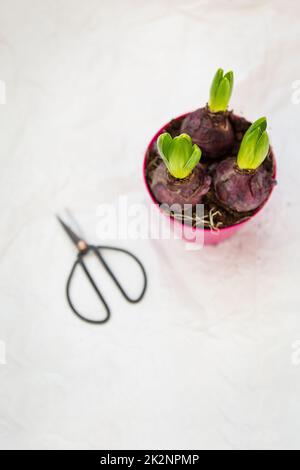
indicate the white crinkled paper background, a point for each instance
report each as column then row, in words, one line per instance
column 209, row 359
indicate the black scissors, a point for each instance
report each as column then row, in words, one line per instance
column 83, row 249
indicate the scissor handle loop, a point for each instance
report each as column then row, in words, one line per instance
column 97, row 251
column 80, row 262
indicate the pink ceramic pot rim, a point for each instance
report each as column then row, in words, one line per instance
column 199, row 228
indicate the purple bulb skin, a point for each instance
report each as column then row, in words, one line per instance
column 241, row 191
column 169, row 190
column 213, row 132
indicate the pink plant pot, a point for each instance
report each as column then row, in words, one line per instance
column 198, row 235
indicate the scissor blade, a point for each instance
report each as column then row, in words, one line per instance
column 75, row 239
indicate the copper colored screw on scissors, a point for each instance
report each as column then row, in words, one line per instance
column 83, row 249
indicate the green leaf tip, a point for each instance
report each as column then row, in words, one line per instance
column 254, row 147
column 179, row 154
column 220, row 91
